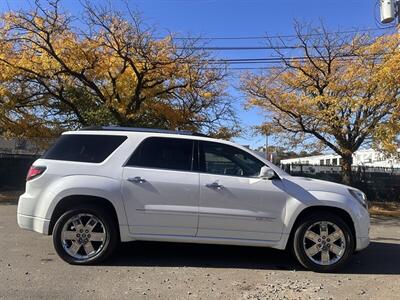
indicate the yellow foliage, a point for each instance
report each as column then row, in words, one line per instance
column 342, row 101
column 117, row 69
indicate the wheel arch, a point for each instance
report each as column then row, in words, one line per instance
column 343, row 214
column 71, row 201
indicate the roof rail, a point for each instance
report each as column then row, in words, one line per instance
column 135, row 129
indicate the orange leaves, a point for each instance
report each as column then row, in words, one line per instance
column 340, row 99
column 114, row 71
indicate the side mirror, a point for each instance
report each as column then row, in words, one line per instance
column 267, row 173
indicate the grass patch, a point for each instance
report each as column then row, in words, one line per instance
column 390, row 209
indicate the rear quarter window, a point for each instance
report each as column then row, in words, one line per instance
column 84, row 147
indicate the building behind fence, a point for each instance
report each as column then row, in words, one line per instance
column 362, row 157
column 379, row 184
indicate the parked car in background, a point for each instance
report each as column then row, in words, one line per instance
column 100, row 186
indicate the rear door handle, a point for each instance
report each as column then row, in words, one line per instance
column 214, row 185
column 136, row 179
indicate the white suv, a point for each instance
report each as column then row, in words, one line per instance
column 98, row 186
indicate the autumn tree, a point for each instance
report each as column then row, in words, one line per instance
column 338, row 92
column 111, row 69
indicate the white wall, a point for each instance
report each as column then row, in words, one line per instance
column 365, row 157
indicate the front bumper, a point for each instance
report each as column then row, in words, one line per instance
column 362, row 243
column 37, row 224
column 362, row 224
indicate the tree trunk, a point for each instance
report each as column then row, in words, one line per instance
column 347, row 176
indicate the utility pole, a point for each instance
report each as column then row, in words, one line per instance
column 266, row 146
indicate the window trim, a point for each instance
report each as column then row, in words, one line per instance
column 125, row 165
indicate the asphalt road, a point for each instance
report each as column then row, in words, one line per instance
column 30, row 269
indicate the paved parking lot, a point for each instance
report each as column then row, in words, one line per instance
column 30, row 268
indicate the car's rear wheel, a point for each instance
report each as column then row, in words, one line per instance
column 85, row 235
column 323, row 242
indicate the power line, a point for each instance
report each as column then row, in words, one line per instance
column 273, row 47
column 281, row 36
column 344, row 57
column 245, row 68
column 217, row 48
column 277, row 61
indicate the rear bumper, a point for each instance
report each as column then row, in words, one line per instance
column 30, row 216
column 37, row 224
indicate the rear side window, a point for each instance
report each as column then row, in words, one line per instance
column 163, row 153
column 84, row 148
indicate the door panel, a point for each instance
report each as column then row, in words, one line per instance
column 165, row 203
column 234, row 201
column 242, row 208
column 160, row 191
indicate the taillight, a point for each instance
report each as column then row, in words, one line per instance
column 34, row 171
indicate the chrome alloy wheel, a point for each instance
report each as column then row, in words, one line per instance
column 324, row 243
column 83, row 236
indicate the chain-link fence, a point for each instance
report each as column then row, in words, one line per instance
column 13, row 170
column 379, row 184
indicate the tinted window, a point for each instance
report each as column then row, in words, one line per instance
column 223, row 159
column 163, row 153
column 84, row 148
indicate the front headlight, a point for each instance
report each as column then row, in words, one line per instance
column 359, row 196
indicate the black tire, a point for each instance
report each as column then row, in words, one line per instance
column 298, row 246
column 108, row 245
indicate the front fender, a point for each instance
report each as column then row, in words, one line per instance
column 300, row 199
column 357, row 213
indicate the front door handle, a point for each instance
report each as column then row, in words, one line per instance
column 214, row 185
column 136, row 179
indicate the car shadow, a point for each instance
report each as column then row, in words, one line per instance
column 378, row 258
column 163, row 254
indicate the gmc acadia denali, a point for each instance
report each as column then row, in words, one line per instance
column 100, row 186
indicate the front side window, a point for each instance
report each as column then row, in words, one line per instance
column 216, row 158
column 163, row 153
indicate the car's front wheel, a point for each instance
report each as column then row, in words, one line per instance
column 85, row 235
column 323, row 242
